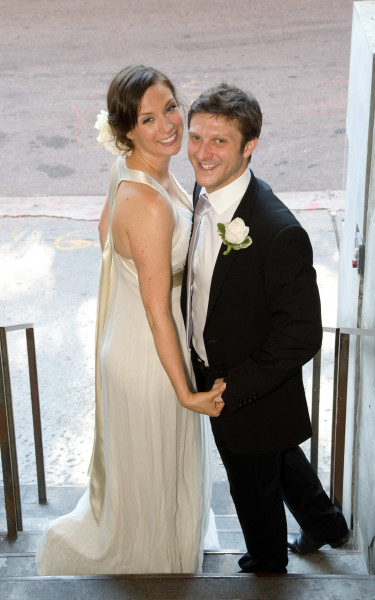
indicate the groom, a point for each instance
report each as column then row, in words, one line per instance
column 252, row 312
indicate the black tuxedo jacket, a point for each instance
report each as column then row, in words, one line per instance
column 263, row 323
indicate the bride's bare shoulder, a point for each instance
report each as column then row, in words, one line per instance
column 133, row 196
column 141, row 208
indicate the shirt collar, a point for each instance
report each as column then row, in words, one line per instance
column 230, row 194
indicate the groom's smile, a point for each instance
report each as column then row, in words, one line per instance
column 207, row 167
column 215, row 152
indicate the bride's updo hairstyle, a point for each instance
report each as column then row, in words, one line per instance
column 124, row 98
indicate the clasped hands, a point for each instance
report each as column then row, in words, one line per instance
column 207, row 403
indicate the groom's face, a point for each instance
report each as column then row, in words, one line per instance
column 214, row 150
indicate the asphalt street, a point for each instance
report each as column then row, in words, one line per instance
column 57, row 59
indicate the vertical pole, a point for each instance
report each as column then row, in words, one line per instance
column 6, row 461
column 315, row 410
column 340, row 421
column 11, row 429
column 334, row 412
column 35, row 406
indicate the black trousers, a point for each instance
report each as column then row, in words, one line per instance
column 254, row 482
column 259, row 484
column 307, row 501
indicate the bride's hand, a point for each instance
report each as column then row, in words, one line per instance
column 207, row 403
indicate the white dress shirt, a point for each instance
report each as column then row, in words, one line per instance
column 224, row 203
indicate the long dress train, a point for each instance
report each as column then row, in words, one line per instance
column 151, row 474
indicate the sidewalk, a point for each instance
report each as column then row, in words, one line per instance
column 89, row 207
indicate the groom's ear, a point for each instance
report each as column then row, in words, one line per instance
column 250, row 147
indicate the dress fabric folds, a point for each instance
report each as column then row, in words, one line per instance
column 146, row 509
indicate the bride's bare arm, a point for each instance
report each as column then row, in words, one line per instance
column 147, row 230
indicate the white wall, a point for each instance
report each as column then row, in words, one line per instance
column 356, row 302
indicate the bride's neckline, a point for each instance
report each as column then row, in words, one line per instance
column 182, row 200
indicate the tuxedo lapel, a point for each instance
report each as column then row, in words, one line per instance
column 224, row 263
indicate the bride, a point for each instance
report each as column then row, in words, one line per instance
column 146, row 509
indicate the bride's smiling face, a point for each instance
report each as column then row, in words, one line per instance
column 159, row 127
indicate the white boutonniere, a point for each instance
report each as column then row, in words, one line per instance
column 234, row 235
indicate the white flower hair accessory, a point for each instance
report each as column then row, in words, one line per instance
column 107, row 137
column 234, row 235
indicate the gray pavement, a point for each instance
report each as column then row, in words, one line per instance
column 57, row 59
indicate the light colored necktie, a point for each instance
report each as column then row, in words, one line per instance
column 202, row 207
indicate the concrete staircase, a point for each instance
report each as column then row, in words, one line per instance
column 327, row 575
column 17, row 559
column 205, row 587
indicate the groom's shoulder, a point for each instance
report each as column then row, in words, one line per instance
column 270, row 207
column 265, row 192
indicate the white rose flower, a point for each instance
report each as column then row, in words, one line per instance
column 234, row 235
column 106, row 135
column 236, row 231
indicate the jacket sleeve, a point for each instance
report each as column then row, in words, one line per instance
column 293, row 302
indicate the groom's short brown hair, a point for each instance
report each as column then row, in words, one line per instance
column 234, row 104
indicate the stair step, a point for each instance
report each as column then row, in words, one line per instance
column 329, row 562
column 17, row 559
column 25, row 542
column 17, row 565
column 190, row 587
column 324, row 562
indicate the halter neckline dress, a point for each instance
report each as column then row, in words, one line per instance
column 147, row 507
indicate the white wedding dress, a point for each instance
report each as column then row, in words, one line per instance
column 148, row 508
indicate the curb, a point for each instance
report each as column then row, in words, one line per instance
column 88, row 208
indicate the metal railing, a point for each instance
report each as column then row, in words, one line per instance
column 340, row 392
column 7, row 431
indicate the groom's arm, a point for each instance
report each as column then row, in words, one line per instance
column 293, row 301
